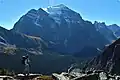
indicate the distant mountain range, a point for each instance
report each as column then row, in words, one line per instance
column 52, row 33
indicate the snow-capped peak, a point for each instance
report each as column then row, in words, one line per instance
column 45, row 9
column 59, row 6
column 56, row 8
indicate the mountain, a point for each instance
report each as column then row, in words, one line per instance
column 14, row 45
column 104, row 30
column 63, row 29
column 10, row 38
column 115, row 29
column 108, row 60
column 53, row 32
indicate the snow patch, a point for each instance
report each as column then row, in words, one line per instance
column 54, row 10
column 99, row 50
column 37, row 24
column 67, row 20
column 45, row 9
column 36, row 21
column 61, row 6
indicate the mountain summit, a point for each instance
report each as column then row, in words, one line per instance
column 62, row 28
column 60, row 6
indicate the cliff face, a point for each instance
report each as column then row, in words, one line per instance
column 108, row 60
column 115, row 29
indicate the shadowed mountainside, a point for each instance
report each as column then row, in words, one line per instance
column 108, row 60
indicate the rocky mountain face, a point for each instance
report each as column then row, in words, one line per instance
column 62, row 28
column 104, row 30
column 14, row 45
column 17, row 40
column 108, row 60
column 111, row 32
column 115, row 29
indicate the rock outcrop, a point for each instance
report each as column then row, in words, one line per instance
column 108, row 60
column 95, row 75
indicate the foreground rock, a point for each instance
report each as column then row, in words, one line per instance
column 29, row 77
column 62, row 76
column 6, row 78
column 65, row 76
column 92, row 76
column 88, row 77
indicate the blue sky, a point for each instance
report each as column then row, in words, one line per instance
column 100, row 10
